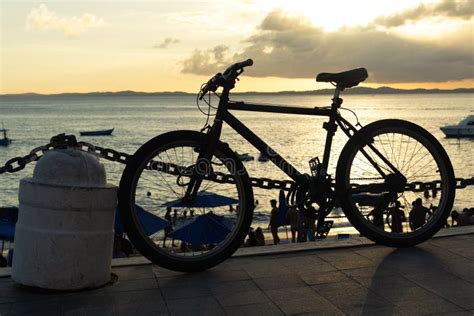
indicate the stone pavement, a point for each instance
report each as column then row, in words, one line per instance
column 436, row 277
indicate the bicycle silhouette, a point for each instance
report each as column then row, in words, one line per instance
column 382, row 168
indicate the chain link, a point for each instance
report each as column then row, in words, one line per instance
column 62, row 141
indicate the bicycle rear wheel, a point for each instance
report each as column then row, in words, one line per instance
column 418, row 208
column 185, row 235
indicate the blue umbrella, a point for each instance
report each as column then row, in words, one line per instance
column 282, row 210
column 7, row 230
column 150, row 222
column 204, row 199
column 204, row 229
column 8, row 219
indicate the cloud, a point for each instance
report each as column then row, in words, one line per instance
column 207, row 62
column 463, row 9
column 167, row 42
column 291, row 47
column 42, row 18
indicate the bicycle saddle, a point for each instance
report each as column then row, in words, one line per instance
column 345, row 79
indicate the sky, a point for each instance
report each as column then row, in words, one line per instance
column 86, row 46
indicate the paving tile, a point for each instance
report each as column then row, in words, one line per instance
column 233, row 287
column 87, row 300
column 137, row 297
column 371, row 271
column 386, row 282
column 183, row 292
column 450, row 287
column 279, row 282
column 49, row 306
column 345, row 260
column 350, row 297
column 96, row 311
column 132, row 285
column 312, row 278
column 242, row 298
column 5, row 309
column 134, row 272
column 269, row 309
column 301, row 300
column 261, row 269
column 458, row 313
column 195, row 306
column 203, row 279
column 427, row 306
column 17, row 294
column 143, row 308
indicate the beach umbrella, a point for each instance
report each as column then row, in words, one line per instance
column 8, row 219
column 204, row 199
column 204, row 229
column 7, row 230
column 150, row 222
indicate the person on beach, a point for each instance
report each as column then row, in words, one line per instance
column 292, row 219
column 273, row 222
column 466, row 217
column 260, row 237
column 309, row 227
column 398, row 217
column 252, row 240
column 418, row 214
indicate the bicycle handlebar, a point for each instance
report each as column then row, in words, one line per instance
column 238, row 66
column 226, row 79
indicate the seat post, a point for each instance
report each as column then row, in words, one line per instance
column 331, row 127
column 337, row 92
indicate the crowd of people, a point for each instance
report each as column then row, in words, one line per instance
column 303, row 228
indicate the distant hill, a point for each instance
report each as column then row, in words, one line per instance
column 356, row 90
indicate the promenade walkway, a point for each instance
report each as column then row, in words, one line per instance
column 436, row 277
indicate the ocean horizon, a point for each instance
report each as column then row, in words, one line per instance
column 33, row 120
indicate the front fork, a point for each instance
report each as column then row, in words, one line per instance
column 203, row 164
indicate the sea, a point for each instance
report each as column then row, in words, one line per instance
column 33, row 120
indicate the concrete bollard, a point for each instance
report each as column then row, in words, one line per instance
column 64, row 233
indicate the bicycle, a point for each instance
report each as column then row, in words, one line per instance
column 382, row 164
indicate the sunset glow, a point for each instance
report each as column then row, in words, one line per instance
column 61, row 46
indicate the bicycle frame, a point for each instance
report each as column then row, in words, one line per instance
column 223, row 115
column 335, row 119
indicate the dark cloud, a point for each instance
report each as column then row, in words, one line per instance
column 167, row 42
column 463, row 9
column 291, row 47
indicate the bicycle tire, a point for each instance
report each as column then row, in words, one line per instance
column 383, row 133
column 127, row 196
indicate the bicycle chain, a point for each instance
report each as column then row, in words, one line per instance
column 62, row 141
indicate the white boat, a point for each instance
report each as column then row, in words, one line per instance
column 464, row 128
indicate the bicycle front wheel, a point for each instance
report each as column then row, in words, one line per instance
column 185, row 235
column 395, row 183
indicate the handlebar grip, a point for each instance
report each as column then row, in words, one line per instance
column 248, row 62
column 232, row 69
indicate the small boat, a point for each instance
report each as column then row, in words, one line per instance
column 105, row 132
column 5, row 141
column 244, row 156
column 263, row 157
column 465, row 128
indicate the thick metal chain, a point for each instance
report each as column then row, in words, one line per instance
column 62, row 141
